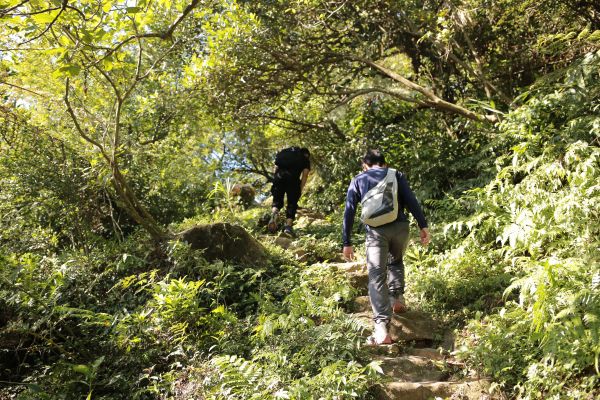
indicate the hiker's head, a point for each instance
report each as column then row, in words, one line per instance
column 305, row 151
column 373, row 157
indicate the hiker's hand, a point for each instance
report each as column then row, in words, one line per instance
column 348, row 253
column 425, row 236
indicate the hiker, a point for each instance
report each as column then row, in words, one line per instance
column 383, row 193
column 291, row 171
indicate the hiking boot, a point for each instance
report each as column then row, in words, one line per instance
column 380, row 335
column 288, row 231
column 398, row 304
column 272, row 225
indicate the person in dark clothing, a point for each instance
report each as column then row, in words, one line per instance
column 385, row 244
column 292, row 166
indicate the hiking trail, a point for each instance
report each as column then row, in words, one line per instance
column 419, row 364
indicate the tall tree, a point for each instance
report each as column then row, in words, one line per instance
column 447, row 56
column 100, row 58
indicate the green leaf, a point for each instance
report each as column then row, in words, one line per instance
column 375, row 366
column 34, row 387
column 594, row 37
column 107, row 64
column 98, row 361
column 82, row 369
column 219, row 310
column 45, row 18
column 67, row 70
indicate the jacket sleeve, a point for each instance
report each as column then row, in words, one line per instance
column 352, row 199
column 410, row 201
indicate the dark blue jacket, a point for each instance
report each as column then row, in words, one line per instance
column 362, row 183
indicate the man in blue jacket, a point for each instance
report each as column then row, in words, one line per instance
column 383, row 243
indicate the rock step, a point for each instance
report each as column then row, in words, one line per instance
column 427, row 352
column 350, row 267
column 397, row 350
column 468, row 390
column 357, row 274
column 360, row 304
column 411, row 326
column 411, row 368
column 305, row 212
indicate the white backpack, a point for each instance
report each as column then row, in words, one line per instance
column 380, row 204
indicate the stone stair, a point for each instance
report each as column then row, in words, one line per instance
column 419, row 365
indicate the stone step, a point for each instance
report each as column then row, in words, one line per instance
column 468, row 390
column 351, row 266
column 397, row 350
column 427, row 352
column 360, row 304
column 388, row 350
column 305, row 212
column 411, row 326
column 412, row 368
column 283, row 241
column 357, row 274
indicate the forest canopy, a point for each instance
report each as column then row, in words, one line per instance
column 123, row 124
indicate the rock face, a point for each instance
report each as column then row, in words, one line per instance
column 227, row 242
column 245, row 192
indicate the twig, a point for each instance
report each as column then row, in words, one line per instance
column 32, row 13
column 78, row 126
column 64, row 5
column 4, row 12
column 21, row 88
column 159, row 35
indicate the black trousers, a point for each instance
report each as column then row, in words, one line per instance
column 284, row 184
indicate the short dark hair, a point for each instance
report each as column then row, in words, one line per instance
column 373, row 157
column 305, row 151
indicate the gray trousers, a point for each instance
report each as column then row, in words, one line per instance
column 385, row 247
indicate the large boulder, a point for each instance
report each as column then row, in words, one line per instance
column 245, row 193
column 227, row 242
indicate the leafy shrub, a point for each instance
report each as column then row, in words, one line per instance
column 303, row 346
column 533, row 222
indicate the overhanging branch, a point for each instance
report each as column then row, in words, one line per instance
column 431, row 99
column 168, row 34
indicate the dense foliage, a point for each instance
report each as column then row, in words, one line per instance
column 122, row 123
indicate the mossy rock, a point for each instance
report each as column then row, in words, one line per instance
column 227, row 242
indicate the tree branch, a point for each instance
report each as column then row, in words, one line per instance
column 62, row 8
column 431, row 98
column 4, row 12
column 168, row 34
column 21, row 88
column 292, row 121
column 31, row 13
column 78, row 126
column 77, row 10
column 261, row 172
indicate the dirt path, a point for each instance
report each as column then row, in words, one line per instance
column 419, row 365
